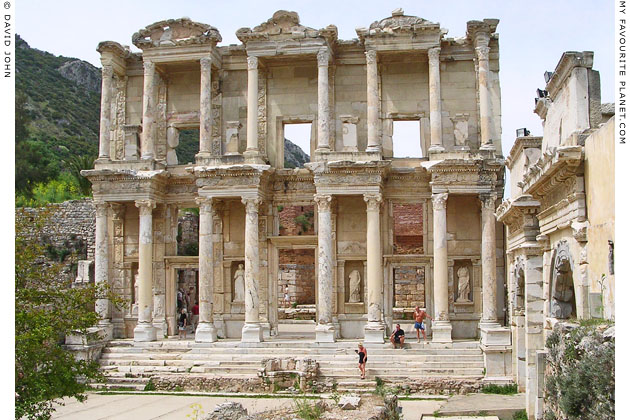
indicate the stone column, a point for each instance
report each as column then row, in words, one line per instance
column 375, row 328
column 205, row 107
column 101, row 267
column 252, row 107
column 252, row 331
column 148, row 112
column 483, row 53
column 435, row 100
column 373, row 139
column 325, row 330
column 106, row 106
column 145, row 331
column 488, row 259
column 206, row 332
column 534, row 322
column 323, row 116
column 441, row 325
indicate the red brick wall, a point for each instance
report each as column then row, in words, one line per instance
column 296, row 268
column 290, row 218
column 408, row 226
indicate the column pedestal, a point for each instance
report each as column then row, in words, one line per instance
column 441, row 331
column 252, row 332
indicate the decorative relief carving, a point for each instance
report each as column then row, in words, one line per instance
column 217, row 118
column 483, row 53
column 323, row 57
column 252, row 63
column 562, row 302
column 182, row 31
column 323, row 201
column 374, row 201
column 251, row 204
column 262, row 112
column 146, row 207
column 119, row 120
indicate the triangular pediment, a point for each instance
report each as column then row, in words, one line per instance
column 172, row 32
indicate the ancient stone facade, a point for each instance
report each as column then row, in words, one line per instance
column 241, row 97
column 560, row 219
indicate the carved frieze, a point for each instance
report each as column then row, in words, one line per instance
column 262, row 111
column 119, row 117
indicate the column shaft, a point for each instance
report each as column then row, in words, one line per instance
column 373, row 140
column 323, row 132
column 488, row 259
column 374, row 329
column 205, row 107
column 252, row 105
column 435, row 100
column 144, row 330
column 206, row 332
column 324, row 331
column 484, row 96
column 148, row 112
column 106, row 102
column 101, row 261
column 441, row 325
column 251, row 330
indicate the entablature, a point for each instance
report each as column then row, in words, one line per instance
column 127, row 184
column 466, row 176
column 348, row 177
column 552, row 168
column 522, row 143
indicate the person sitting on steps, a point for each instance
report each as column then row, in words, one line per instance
column 398, row 337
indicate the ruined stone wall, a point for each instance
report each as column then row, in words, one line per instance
column 70, row 226
column 296, row 220
column 297, row 270
column 409, row 287
column 408, row 229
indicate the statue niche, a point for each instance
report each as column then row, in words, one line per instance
column 463, row 285
column 239, row 284
column 354, row 282
column 562, row 293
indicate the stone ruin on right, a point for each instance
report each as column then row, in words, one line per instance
column 560, row 218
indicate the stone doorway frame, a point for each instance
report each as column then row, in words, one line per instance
column 275, row 244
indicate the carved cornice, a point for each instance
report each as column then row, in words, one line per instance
column 568, row 61
column 521, row 144
column 519, row 213
column 113, row 47
column 542, row 106
column 283, row 26
column 553, row 168
column 175, row 32
column 398, row 24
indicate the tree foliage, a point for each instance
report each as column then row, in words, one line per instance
column 46, row 309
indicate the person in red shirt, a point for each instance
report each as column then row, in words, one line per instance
column 195, row 316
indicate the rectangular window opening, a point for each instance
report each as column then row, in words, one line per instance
column 297, row 145
column 406, row 139
column 188, row 145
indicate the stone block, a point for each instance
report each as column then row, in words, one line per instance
column 349, row 402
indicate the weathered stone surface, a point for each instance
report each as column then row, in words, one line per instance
column 349, row 402
column 228, row 411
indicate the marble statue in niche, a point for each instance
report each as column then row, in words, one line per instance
column 562, row 296
column 463, row 285
column 239, row 284
column 355, row 286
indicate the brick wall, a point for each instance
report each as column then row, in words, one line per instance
column 296, row 268
column 296, row 220
column 408, row 225
column 409, row 287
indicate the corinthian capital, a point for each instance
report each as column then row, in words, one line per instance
column 488, row 201
column 146, row 207
column 370, row 56
column 252, row 63
column 101, row 208
column 149, row 66
column 373, row 201
column 107, row 71
column 119, row 210
column 323, row 56
column 439, row 201
column 205, row 204
column 483, row 53
column 434, row 54
column 323, row 201
column 251, row 204
column 206, row 63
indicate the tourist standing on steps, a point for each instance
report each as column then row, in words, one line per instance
column 183, row 324
column 419, row 315
column 362, row 352
column 195, row 316
column 398, row 337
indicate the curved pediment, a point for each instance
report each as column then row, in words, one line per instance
column 284, row 25
column 397, row 24
column 172, row 32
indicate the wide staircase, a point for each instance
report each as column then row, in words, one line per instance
column 130, row 366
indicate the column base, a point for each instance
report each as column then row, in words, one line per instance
column 441, row 331
column 436, row 148
column 205, row 333
column 103, row 159
column 374, row 332
column 493, row 334
column 252, row 333
column 161, row 328
column 105, row 330
column 253, row 157
column 144, row 332
column 325, row 333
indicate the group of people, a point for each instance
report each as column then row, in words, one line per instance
column 188, row 310
column 397, row 338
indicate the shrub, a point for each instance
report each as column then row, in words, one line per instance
column 500, row 389
column 307, row 410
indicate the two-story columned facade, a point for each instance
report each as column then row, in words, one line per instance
column 387, row 233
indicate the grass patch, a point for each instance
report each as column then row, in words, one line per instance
column 306, row 410
column 150, row 386
column 520, row 415
column 133, row 391
column 509, row 389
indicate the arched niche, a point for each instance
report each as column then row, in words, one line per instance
column 562, row 294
